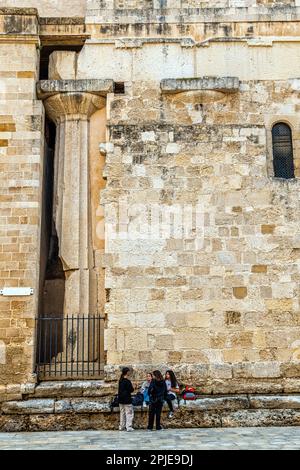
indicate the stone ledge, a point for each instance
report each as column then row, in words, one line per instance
column 250, row 418
column 216, row 403
column 76, row 20
column 28, row 407
column 86, row 388
column 277, row 401
column 83, row 405
column 183, row 418
column 182, row 85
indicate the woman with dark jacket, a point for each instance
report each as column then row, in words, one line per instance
column 157, row 394
column 125, row 401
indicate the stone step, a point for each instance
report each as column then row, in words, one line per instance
column 81, row 413
column 75, row 388
column 101, row 404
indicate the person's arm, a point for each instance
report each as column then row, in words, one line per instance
column 175, row 389
column 131, row 389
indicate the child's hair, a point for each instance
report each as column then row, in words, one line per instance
column 157, row 375
column 125, row 371
column 150, row 373
column 173, row 379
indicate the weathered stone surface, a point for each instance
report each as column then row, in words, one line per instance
column 99, row 389
column 16, row 423
column 222, row 84
column 58, row 389
column 279, row 401
column 261, row 418
column 28, row 388
column 63, row 406
column 89, row 406
column 74, row 389
column 184, row 417
column 62, row 65
column 216, row 404
column 28, row 407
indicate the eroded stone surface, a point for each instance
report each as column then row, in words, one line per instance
column 28, row 407
column 222, row 84
column 292, row 402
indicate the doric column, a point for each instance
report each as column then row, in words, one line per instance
column 70, row 104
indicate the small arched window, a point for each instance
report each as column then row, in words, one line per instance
column 283, row 151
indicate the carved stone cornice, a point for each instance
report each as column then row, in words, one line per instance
column 200, row 90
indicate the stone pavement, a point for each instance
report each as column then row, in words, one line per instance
column 286, row 438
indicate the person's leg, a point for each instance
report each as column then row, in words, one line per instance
column 170, row 404
column 129, row 417
column 122, row 418
column 151, row 416
column 158, row 415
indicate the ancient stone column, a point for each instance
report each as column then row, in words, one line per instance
column 70, row 104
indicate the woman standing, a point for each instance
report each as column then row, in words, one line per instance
column 157, row 394
column 125, row 401
column 172, row 388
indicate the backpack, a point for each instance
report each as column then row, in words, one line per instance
column 114, row 403
column 189, row 393
column 138, row 399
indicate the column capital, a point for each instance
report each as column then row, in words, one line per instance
column 73, row 99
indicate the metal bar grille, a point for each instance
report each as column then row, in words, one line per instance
column 69, row 347
column 283, row 151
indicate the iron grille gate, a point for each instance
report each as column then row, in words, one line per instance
column 69, row 347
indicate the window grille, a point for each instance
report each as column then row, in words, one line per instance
column 283, row 151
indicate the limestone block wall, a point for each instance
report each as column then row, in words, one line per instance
column 221, row 307
column 21, row 122
column 225, row 313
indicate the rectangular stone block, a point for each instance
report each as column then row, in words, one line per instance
column 275, row 401
column 28, row 407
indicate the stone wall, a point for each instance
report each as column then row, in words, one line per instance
column 21, row 163
column 220, row 303
column 231, row 304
